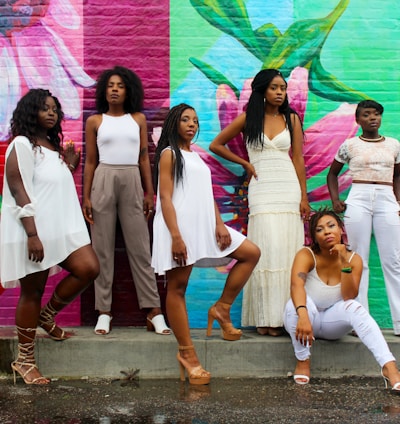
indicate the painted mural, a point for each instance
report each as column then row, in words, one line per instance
column 311, row 44
column 205, row 53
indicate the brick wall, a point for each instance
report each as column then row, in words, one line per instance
column 162, row 41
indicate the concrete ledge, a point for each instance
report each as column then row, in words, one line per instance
column 86, row 354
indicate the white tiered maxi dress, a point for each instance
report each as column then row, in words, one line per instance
column 275, row 225
column 194, row 205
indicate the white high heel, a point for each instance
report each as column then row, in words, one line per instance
column 395, row 388
column 103, row 325
column 157, row 324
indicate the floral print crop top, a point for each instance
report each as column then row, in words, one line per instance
column 370, row 161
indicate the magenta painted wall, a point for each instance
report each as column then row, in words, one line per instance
column 68, row 43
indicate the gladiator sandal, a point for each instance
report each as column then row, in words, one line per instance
column 46, row 319
column 25, row 364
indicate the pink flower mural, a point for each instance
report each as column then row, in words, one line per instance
column 322, row 139
column 34, row 54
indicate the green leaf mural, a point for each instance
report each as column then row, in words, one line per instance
column 230, row 16
column 213, row 75
column 299, row 45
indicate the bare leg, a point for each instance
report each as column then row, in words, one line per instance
column 390, row 371
column 178, row 279
column 302, row 372
column 26, row 319
column 84, row 268
column 247, row 256
column 178, row 318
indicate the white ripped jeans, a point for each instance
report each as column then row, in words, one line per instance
column 373, row 208
column 336, row 321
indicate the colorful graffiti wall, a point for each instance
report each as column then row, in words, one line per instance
column 333, row 53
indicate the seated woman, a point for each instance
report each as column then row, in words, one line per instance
column 324, row 283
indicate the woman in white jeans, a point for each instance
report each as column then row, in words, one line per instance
column 372, row 204
column 324, row 284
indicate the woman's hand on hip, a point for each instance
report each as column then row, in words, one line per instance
column 250, row 171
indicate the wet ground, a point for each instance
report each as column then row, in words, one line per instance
column 131, row 400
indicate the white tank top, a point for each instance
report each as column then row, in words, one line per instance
column 324, row 296
column 118, row 140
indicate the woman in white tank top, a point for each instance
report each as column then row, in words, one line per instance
column 117, row 169
column 324, row 284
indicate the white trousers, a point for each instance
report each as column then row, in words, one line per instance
column 373, row 208
column 334, row 323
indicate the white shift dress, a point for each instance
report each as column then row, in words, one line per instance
column 58, row 216
column 194, row 204
column 276, row 227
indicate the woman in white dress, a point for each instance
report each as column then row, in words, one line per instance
column 324, row 285
column 189, row 231
column 42, row 225
column 277, row 195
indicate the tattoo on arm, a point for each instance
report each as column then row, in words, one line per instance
column 143, row 151
column 302, row 275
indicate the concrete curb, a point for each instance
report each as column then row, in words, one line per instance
column 129, row 348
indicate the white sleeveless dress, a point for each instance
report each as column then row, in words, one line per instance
column 58, row 216
column 194, row 205
column 275, row 225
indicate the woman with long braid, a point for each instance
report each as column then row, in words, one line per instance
column 189, row 231
column 277, row 195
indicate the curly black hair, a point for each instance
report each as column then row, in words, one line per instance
column 254, row 126
column 24, row 120
column 170, row 137
column 133, row 86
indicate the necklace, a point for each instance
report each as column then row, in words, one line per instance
column 274, row 115
column 371, row 140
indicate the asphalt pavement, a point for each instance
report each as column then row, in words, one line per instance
column 129, row 399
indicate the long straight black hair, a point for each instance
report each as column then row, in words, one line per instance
column 254, row 126
column 170, row 137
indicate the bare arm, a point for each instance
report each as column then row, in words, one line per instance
column 302, row 264
column 396, row 181
column 92, row 124
column 166, row 187
column 298, row 163
column 17, row 189
column 218, row 145
column 333, row 186
column 144, row 165
column 350, row 281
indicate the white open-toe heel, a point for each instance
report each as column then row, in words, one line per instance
column 301, row 379
column 157, row 324
column 395, row 388
column 103, row 325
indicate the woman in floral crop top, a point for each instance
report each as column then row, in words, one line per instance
column 373, row 200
